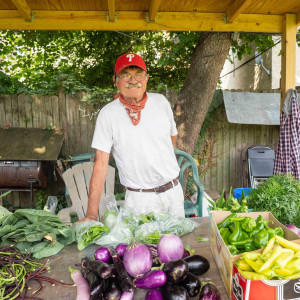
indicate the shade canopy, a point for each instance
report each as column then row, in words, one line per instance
column 172, row 15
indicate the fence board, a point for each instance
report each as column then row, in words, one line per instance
column 21, row 111
column 2, row 111
column 63, row 112
column 28, row 111
column 236, row 137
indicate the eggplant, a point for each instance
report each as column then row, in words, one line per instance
column 93, row 280
column 154, row 294
column 125, row 280
column 99, row 267
column 198, row 264
column 97, row 289
column 127, row 296
column 176, row 270
column 150, row 280
column 174, row 292
column 113, row 294
column 186, row 253
column 192, row 284
column 209, row 292
column 153, row 250
column 112, row 290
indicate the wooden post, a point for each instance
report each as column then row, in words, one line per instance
column 288, row 54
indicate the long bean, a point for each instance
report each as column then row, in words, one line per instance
column 16, row 269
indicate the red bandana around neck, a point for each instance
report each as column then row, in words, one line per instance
column 133, row 109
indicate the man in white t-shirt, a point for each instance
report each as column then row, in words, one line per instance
column 138, row 128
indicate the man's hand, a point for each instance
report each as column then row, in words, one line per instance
column 86, row 219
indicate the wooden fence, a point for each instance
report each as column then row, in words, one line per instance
column 228, row 141
column 77, row 119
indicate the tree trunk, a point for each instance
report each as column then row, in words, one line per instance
column 200, row 84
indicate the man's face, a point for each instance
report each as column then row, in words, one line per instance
column 132, row 83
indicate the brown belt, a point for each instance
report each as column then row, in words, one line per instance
column 159, row 189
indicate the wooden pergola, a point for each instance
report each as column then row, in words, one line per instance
column 261, row 16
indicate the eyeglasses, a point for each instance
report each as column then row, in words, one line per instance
column 127, row 77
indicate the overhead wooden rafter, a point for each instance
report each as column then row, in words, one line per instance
column 298, row 18
column 23, row 8
column 111, row 11
column 288, row 55
column 133, row 20
column 153, row 9
column 236, row 9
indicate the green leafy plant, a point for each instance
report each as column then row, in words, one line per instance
column 280, row 194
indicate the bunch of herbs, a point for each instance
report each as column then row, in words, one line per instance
column 280, row 194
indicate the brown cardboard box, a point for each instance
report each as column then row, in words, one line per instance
column 221, row 254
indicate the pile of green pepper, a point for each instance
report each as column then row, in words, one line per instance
column 243, row 234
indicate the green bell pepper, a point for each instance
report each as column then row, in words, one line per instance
column 271, row 232
column 233, row 250
column 228, row 221
column 236, row 232
column 259, row 226
column 261, row 238
column 279, row 231
column 250, row 246
column 225, row 235
column 248, row 224
column 243, row 242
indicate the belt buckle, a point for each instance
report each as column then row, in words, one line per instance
column 158, row 190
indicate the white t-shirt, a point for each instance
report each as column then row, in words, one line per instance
column 143, row 153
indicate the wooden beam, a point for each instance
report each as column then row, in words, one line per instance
column 298, row 18
column 153, row 9
column 111, row 11
column 133, row 21
column 23, row 8
column 288, row 55
column 236, row 8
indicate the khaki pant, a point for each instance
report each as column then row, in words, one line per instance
column 171, row 201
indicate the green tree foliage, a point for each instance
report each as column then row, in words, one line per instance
column 40, row 62
column 44, row 62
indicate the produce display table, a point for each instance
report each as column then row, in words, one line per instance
column 69, row 256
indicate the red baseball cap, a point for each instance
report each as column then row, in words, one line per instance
column 129, row 59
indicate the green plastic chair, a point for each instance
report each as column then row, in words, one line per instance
column 185, row 161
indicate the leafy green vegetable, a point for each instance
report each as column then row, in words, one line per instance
column 4, row 212
column 91, row 235
column 280, row 194
column 38, row 230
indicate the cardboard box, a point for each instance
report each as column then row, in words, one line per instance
column 222, row 256
column 245, row 289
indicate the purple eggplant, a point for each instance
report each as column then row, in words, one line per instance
column 127, row 296
column 112, row 290
column 121, row 248
column 174, row 292
column 176, row 270
column 100, row 268
column 209, row 292
column 154, row 294
column 153, row 250
column 198, row 264
column 186, row 253
column 151, row 280
column 125, row 280
column 192, row 284
column 103, row 255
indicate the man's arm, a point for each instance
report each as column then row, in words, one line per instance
column 96, row 185
column 173, row 138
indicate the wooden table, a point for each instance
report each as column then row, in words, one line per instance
column 69, row 256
